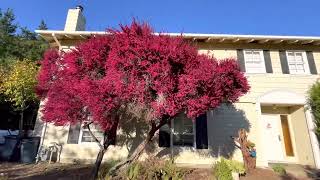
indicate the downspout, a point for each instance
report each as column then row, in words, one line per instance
column 43, row 132
column 56, row 40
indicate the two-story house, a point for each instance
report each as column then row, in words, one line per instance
column 280, row 70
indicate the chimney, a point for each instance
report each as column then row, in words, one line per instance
column 75, row 20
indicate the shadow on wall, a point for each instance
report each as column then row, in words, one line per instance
column 132, row 132
column 222, row 122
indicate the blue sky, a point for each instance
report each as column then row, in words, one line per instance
column 276, row 17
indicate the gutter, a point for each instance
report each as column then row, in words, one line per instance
column 189, row 35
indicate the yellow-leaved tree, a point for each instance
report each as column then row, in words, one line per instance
column 18, row 86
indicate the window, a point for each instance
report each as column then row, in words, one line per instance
column 86, row 137
column 297, row 62
column 183, row 131
column 254, row 61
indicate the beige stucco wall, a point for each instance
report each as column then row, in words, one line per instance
column 222, row 122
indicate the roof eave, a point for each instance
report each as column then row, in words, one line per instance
column 232, row 38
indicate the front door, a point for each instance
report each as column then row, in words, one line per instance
column 273, row 138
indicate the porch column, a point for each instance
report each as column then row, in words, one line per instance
column 313, row 137
column 261, row 146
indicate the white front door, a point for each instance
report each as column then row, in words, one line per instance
column 272, row 138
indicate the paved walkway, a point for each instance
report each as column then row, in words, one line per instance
column 301, row 172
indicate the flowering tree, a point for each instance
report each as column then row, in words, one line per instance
column 159, row 75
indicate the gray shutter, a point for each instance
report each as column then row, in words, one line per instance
column 240, row 57
column 164, row 136
column 201, row 132
column 284, row 62
column 267, row 61
column 74, row 132
column 312, row 64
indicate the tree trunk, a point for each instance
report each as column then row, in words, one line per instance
column 95, row 170
column 15, row 156
column 108, row 138
column 139, row 150
column 249, row 162
column 134, row 156
column 21, row 124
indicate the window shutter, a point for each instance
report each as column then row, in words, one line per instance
column 201, row 132
column 74, row 132
column 267, row 61
column 312, row 64
column 164, row 136
column 284, row 62
column 240, row 57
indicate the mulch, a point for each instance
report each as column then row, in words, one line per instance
column 56, row 171
column 59, row 171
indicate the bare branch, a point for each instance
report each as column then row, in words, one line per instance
column 87, row 125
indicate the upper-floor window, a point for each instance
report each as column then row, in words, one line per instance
column 297, row 62
column 254, row 61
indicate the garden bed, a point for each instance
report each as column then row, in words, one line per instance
column 81, row 171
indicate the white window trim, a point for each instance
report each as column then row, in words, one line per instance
column 179, row 146
column 81, row 133
column 305, row 61
column 262, row 58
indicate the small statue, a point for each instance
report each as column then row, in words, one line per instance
column 247, row 148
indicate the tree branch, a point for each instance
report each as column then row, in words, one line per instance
column 87, row 125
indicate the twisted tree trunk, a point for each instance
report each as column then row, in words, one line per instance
column 139, row 150
column 108, row 139
column 248, row 160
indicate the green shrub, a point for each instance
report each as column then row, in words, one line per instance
column 171, row 171
column 155, row 169
column 3, row 177
column 279, row 169
column 236, row 166
column 314, row 103
column 222, row 171
column 133, row 171
column 105, row 167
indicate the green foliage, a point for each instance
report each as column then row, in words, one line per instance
column 4, row 177
column 279, row 169
column 43, row 25
column 314, row 103
column 222, row 170
column 19, row 83
column 236, row 166
column 133, row 171
column 7, row 25
column 25, row 45
column 170, row 171
column 104, row 169
column 154, row 168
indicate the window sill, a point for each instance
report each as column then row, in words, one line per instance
column 278, row 74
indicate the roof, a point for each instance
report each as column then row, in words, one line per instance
column 56, row 36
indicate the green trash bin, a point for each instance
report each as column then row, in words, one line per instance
column 10, row 142
column 29, row 149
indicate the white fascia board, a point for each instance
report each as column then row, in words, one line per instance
column 190, row 35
